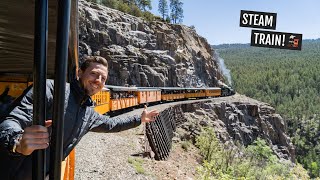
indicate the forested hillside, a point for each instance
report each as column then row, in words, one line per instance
column 289, row 81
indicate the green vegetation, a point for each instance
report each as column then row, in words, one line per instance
column 163, row 8
column 176, row 11
column 186, row 145
column 138, row 8
column 137, row 164
column 290, row 82
column 256, row 161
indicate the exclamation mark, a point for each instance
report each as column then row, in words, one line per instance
column 283, row 39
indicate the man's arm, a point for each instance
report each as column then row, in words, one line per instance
column 19, row 117
column 102, row 123
column 12, row 127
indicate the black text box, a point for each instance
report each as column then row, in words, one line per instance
column 256, row 19
column 272, row 39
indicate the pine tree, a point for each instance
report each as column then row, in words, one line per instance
column 144, row 4
column 163, row 8
column 110, row 3
column 176, row 11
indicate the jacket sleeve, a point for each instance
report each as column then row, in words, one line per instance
column 19, row 116
column 103, row 123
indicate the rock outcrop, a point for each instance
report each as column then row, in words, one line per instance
column 237, row 119
column 146, row 53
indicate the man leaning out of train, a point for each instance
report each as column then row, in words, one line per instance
column 19, row 138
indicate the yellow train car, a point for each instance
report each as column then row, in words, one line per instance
column 13, row 85
column 172, row 93
column 122, row 97
column 142, row 97
column 102, row 101
column 213, row 92
column 195, row 92
column 148, row 95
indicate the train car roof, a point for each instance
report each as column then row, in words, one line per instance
column 204, row 88
column 195, row 88
column 149, row 89
column 121, row 88
column 213, row 88
column 105, row 89
column 17, row 36
column 171, row 88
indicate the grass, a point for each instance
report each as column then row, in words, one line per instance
column 185, row 145
column 137, row 164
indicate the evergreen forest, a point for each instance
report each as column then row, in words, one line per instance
column 288, row 80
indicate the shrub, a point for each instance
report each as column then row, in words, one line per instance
column 148, row 16
column 256, row 161
column 185, row 145
column 124, row 7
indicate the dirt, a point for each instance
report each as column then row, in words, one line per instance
column 107, row 156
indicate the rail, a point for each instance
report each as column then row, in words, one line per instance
column 160, row 134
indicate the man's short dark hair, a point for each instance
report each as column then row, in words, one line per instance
column 93, row 59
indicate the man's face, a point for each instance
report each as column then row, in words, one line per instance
column 93, row 78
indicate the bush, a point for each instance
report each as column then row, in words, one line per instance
column 256, row 161
column 168, row 19
column 124, row 7
column 185, row 145
column 135, row 11
column 148, row 16
column 110, row 3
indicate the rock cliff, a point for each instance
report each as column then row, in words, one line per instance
column 145, row 53
column 237, row 119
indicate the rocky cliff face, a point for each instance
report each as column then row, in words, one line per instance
column 146, row 53
column 237, row 119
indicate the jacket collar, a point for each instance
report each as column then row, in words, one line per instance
column 82, row 98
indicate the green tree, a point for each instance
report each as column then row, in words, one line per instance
column 148, row 16
column 136, row 11
column 110, row 3
column 261, row 151
column 314, row 169
column 168, row 19
column 124, row 7
column 128, row 2
column 163, row 8
column 144, row 4
column 176, row 11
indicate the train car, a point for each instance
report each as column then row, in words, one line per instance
column 195, row 93
column 172, row 93
column 212, row 92
column 14, row 84
column 123, row 97
column 152, row 95
column 102, row 101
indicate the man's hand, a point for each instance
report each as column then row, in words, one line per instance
column 147, row 116
column 34, row 137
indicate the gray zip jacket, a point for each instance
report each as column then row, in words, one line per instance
column 79, row 118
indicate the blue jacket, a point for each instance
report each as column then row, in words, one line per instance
column 79, row 117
